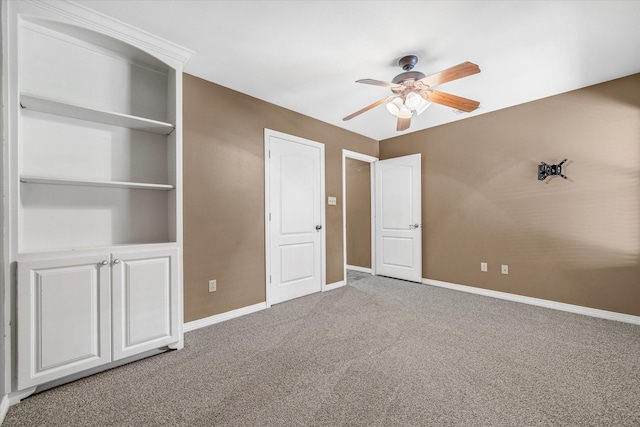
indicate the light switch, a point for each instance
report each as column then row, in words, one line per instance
column 331, row 201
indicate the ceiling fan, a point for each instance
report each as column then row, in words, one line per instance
column 412, row 91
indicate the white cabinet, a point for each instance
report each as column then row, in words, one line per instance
column 93, row 206
column 82, row 312
column 144, row 301
column 64, row 320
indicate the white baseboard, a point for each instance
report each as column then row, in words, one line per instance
column 577, row 309
column 361, row 269
column 334, row 285
column 212, row 320
column 4, row 408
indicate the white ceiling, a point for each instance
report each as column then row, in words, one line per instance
column 306, row 55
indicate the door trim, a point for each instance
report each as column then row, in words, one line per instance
column 268, row 133
column 372, row 162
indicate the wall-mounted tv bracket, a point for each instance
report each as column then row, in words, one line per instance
column 545, row 170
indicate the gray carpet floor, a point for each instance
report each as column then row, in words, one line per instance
column 377, row 352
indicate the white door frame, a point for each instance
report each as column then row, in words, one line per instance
column 371, row 160
column 268, row 133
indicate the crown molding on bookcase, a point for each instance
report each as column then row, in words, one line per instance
column 104, row 24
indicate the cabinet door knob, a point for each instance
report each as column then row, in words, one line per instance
column 105, row 262
column 116, row 261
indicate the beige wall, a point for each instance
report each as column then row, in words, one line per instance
column 224, row 193
column 572, row 241
column 575, row 241
column 358, row 193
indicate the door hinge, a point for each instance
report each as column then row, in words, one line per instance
column 269, row 216
column 269, row 153
column 269, row 279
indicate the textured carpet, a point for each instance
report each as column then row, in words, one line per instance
column 377, row 352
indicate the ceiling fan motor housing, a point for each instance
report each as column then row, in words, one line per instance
column 408, row 76
column 408, row 62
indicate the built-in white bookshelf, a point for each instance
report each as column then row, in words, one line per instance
column 95, row 113
column 93, row 120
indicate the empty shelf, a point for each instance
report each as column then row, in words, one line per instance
column 61, row 108
column 90, row 183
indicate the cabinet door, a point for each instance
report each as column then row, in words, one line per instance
column 145, row 301
column 63, row 317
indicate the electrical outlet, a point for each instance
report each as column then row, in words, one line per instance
column 505, row 269
column 483, row 267
column 212, row 285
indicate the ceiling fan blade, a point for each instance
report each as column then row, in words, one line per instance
column 365, row 109
column 379, row 83
column 453, row 101
column 454, row 73
column 403, row 123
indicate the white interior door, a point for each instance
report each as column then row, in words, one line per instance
column 295, row 217
column 399, row 218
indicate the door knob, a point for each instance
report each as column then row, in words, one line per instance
column 116, row 261
column 318, row 227
column 412, row 226
column 105, row 262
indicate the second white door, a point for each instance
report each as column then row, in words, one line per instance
column 399, row 218
column 295, row 194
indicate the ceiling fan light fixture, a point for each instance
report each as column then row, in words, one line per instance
column 412, row 102
column 405, row 113
column 395, row 105
column 424, row 104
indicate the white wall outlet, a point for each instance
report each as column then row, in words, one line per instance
column 483, row 267
column 212, row 285
column 331, row 200
column 505, row 269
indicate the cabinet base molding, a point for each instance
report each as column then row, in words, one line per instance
column 17, row 396
column 4, row 408
column 177, row 346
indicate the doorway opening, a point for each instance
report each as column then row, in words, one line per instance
column 358, row 210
